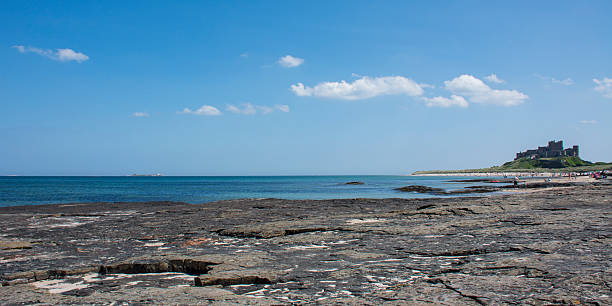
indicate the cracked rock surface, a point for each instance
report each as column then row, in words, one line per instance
column 546, row 247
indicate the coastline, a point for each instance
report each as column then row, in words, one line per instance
column 547, row 246
column 496, row 174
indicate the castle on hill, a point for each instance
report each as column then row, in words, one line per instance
column 554, row 149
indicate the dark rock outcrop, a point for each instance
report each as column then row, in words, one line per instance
column 421, row 189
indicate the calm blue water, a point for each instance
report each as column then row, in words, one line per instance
column 20, row 190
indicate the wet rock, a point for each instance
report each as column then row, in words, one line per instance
column 140, row 266
column 473, row 189
column 354, row 183
column 231, row 280
column 422, row 189
column 266, row 232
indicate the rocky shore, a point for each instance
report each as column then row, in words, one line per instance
column 545, row 247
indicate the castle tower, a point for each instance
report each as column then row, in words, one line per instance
column 575, row 151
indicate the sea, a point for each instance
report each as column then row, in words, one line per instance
column 36, row 190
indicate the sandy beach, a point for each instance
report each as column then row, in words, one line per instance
column 551, row 246
column 555, row 175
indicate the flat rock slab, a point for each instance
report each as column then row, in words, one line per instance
column 545, row 247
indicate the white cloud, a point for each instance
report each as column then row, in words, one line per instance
column 140, row 114
column 265, row 109
column 362, row 88
column 566, row 82
column 289, row 61
column 446, row 102
column 477, row 91
column 282, row 107
column 244, row 55
column 62, row 55
column 247, row 109
column 588, row 121
column 250, row 109
column 494, row 79
column 604, row 86
column 66, row 55
column 205, row 110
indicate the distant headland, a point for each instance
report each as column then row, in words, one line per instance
column 156, row 174
column 550, row 159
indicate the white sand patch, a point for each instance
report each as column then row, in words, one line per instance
column 380, row 285
column 260, row 291
column 67, row 224
column 419, row 257
column 362, row 221
column 91, row 277
column 133, row 283
column 384, row 260
column 287, row 299
column 370, row 278
column 120, row 213
column 169, row 274
column 307, row 247
column 322, row 270
column 62, row 222
column 183, row 276
column 24, row 258
column 57, row 286
column 343, row 241
column 400, row 280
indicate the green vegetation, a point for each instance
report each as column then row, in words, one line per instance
column 556, row 164
column 546, row 163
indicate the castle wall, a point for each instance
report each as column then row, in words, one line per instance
column 553, row 149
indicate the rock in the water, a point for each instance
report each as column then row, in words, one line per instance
column 422, row 189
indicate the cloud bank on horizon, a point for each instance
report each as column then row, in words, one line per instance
column 61, row 55
column 205, row 110
column 242, row 109
column 565, row 82
column 478, row 92
column 465, row 89
column 250, row 109
column 362, row 88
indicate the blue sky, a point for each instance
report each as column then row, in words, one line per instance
column 288, row 87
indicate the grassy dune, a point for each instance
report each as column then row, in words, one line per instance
column 557, row 164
